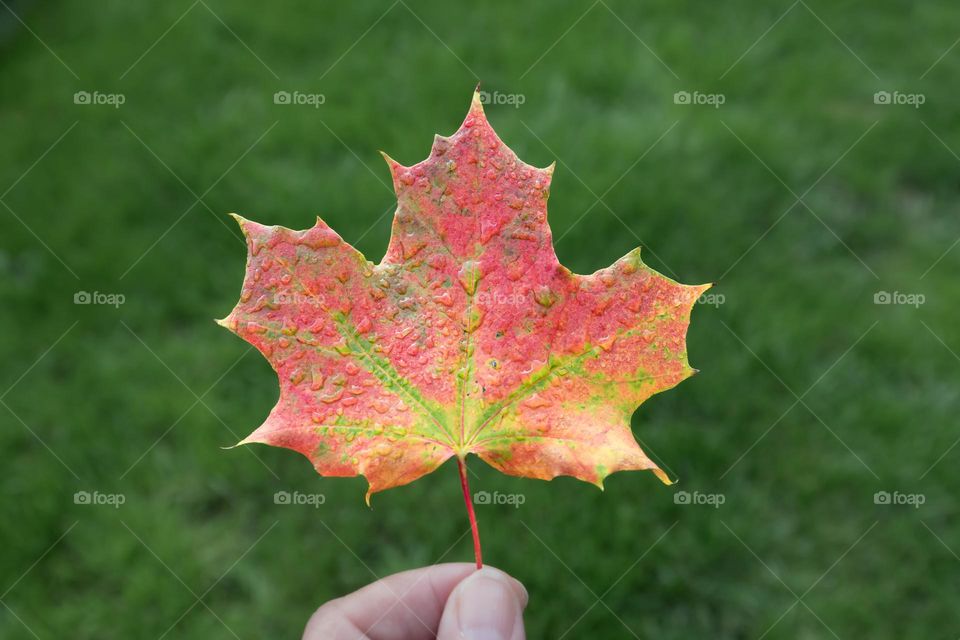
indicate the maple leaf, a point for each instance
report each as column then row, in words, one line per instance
column 468, row 337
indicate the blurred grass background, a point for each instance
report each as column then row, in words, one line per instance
column 811, row 397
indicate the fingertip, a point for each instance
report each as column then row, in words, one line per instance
column 486, row 605
column 516, row 585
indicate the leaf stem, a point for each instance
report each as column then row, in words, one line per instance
column 468, row 500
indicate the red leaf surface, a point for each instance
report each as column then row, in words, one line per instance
column 468, row 337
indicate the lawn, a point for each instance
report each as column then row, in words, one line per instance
column 823, row 420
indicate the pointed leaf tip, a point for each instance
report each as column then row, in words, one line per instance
column 476, row 104
column 663, row 477
column 386, row 156
column 242, row 443
column 226, row 322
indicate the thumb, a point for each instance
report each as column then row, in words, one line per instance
column 486, row 605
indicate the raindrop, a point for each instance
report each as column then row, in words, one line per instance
column 364, row 325
column 544, row 296
column 469, row 275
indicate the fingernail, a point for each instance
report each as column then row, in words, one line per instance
column 489, row 605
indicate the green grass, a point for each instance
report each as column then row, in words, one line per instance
column 102, row 411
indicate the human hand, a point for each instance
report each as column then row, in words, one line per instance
column 445, row 601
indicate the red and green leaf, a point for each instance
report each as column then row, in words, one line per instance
column 468, row 337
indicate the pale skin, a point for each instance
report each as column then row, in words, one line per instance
column 453, row 601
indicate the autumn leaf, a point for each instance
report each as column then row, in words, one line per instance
column 468, row 337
